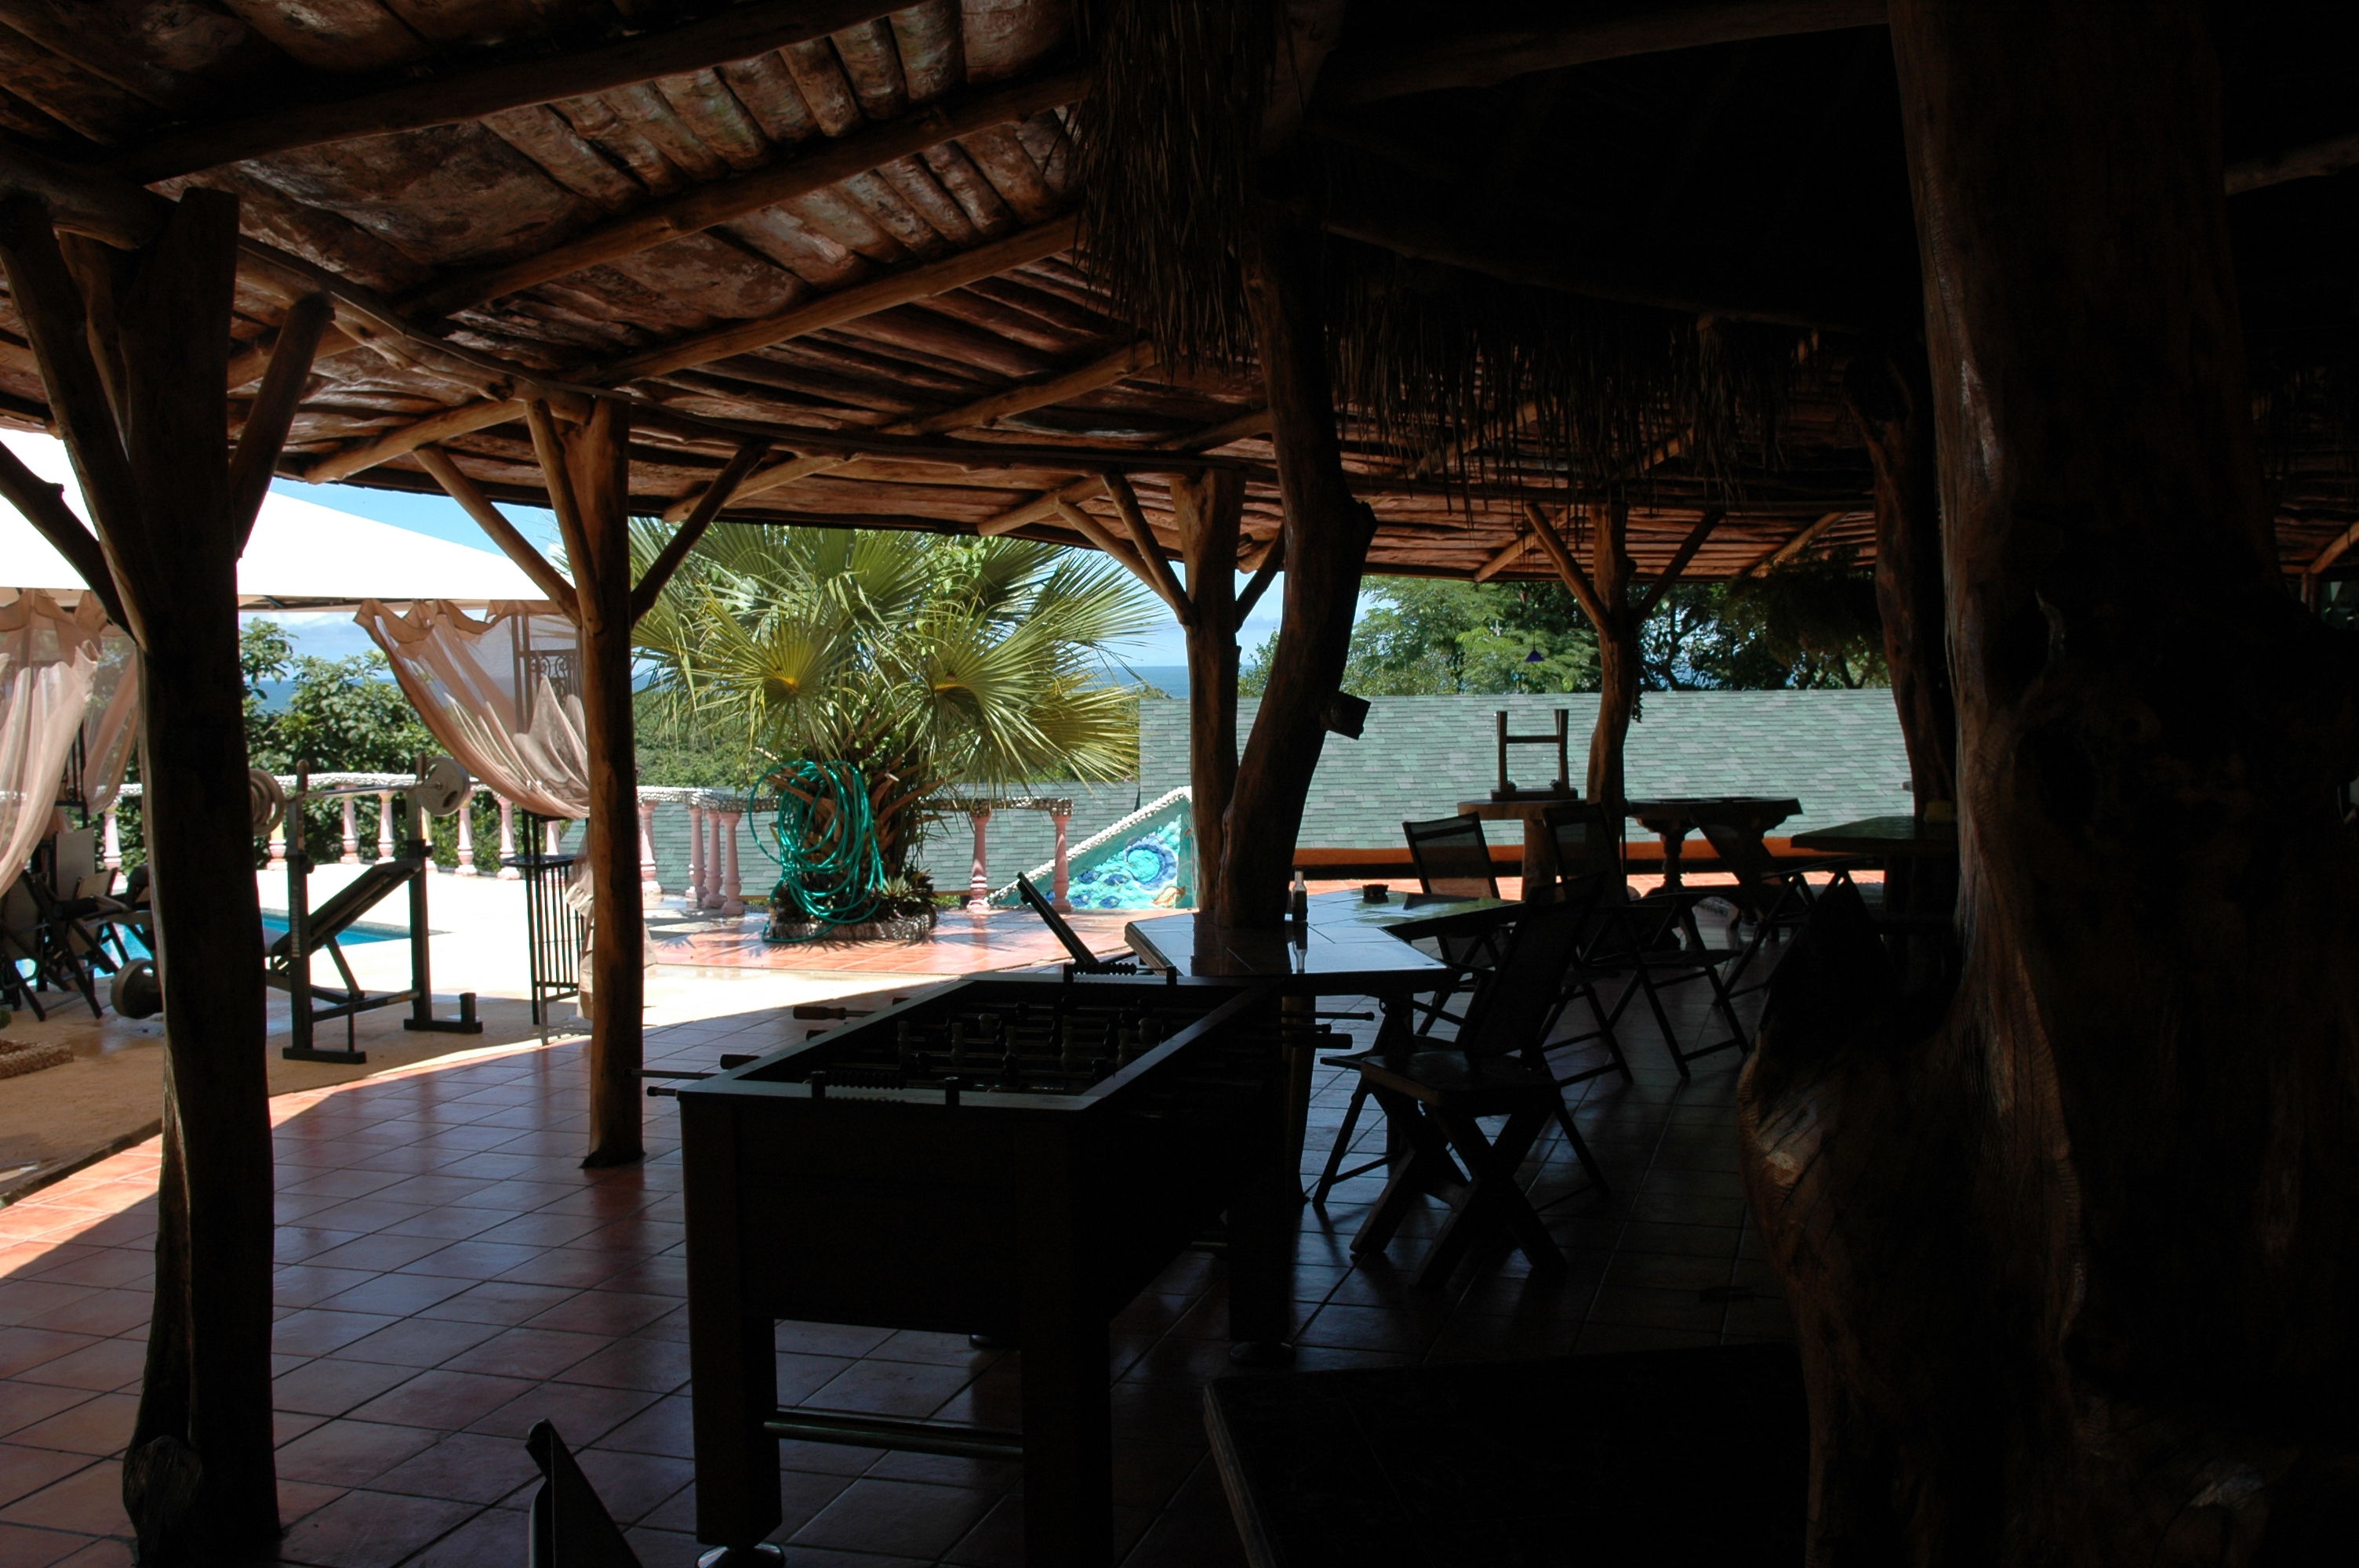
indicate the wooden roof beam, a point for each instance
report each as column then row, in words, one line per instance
column 2317, row 158
column 1102, row 371
column 1797, row 545
column 701, row 208
column 735, row 33
column 828, row 310
column 1252, row 422
column 1547, row 266
column 1484, row 58
column 834, row 309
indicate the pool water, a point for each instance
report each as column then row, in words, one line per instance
column 273, row 927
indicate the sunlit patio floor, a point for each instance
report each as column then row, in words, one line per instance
column 449, row 1276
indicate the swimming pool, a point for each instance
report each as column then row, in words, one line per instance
column 273, row 927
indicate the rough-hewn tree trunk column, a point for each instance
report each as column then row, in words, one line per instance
column 1617, row 653
column 2071, row 1265
column 1207, row 509
column 1891, row 395
column 147, row 439
column 598, row 545
column 1327, row 536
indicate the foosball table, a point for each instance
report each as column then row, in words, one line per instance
column 1016, row 1158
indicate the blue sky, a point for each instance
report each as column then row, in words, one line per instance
column 334, row 636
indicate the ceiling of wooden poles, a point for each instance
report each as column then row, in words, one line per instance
column 845, row 229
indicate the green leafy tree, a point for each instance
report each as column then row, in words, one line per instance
column 1425, row 637
column 929, row 663
column 1812, row 623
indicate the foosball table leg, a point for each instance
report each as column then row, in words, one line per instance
column 732, row 1361
column 1068, row 1442
column 1263, row 1216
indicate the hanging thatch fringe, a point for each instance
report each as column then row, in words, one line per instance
column 1442, row 366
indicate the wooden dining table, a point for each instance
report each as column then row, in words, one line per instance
column 1349, row 947
column 1672, row 818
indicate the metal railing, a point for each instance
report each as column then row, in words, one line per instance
column 555, row 931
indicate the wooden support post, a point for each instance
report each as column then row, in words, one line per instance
column 1209, row 509
column 1617, row 655
column 149, row 438
column 585, row 467
column 1890, row 392
column 2059, row 1245
column 1326, row 543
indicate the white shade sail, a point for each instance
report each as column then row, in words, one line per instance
column 302, row 556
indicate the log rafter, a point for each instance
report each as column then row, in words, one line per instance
column 734, row 34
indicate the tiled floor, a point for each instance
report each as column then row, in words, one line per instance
column 959, row 944
column 450, row 1276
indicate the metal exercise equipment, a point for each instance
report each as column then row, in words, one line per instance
column 440, row 790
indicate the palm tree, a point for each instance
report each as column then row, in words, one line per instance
column 926, row 663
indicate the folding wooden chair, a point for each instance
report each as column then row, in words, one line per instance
column 1453, row 861
column 1436, row 1099
column 569, row 1527
column 1770, row 896
column 1493, row 928
column 1646, row 943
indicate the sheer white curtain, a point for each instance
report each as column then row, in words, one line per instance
column 48, row 660
column 109, row 725
column 504, row 694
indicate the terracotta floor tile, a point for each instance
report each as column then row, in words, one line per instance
column 21, row 1404
column 570, row 1266
column 372, row 1530
column 24, row 1471
column 301, row 1244
column 23, row 1348
column 108, row 1266
column 378, row 1252
column 297, row 1498
column 108, row 1364
column 115, row 1553
column 442, row 1401
column 417, row 1342
column 891, row 1388
column 314, row 1331
column 89, row 1501
column 662, row 1428
column 658, row 1366
column 350, row 1452
column 504, row 1303
column 331, row 1386
column 447, row 1224
column 463, row 1467
column 581, row 1413
column 633, row 1485
column 604, row 1311
column 475, row 1259
column 107, row 1311
column 98, row 1425
column 492, row 1538
column 901, row 1518
column 528, row 1352
column 23, row 1547
column 397, row 1295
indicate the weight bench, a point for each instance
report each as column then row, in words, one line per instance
column 288, row 961
column 1083, row 961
